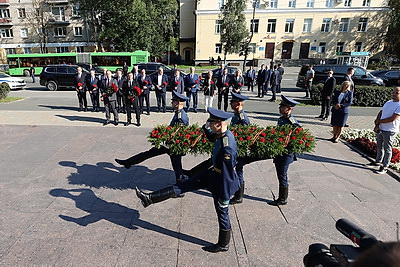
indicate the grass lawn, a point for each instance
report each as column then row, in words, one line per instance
column 10, row 99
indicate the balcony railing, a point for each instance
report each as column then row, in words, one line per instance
column 6, row 22
column 4, row 3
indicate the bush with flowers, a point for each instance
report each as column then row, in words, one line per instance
column 252, row 140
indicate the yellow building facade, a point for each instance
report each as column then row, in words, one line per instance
column 288, row 29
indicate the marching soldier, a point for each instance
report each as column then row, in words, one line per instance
column 223, row 84
column 120, row 94
column 132, row 92
column 160, row 82
column 80, row 86
column 221, row 180
column 145, row 85
column 110, row 101
column 92, row 86
column 282, row 162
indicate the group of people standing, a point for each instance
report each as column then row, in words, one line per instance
column 266, row 78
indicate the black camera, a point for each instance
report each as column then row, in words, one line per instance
column 340, row 255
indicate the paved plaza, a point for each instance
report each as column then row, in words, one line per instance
column 65, row 202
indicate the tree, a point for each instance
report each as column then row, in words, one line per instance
column 393, row 33
column 233, row 26
column 39, row 21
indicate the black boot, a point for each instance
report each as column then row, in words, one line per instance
column 123, row 162
column 156, row 196
column 238, row 197
column 283, row 195
column 223, row 242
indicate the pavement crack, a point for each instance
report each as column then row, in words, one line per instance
column 280, row 210
column 354, row 195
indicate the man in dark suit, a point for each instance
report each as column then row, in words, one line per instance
column 92, row 84
column 136, row 73
column 260, row 80
column 120, row 95
column 125, row 69
column 109, row 90
column 178, row 84
column 349, row 77
column 267, row 80
column 132, row 92
column 250, row 76
column 160, row 82
column 281, row 72
column 223, row 84
column 192, row 85
column 80, row 86
column 274, row 82
column 220, row 71
column 145, row 84
column 326, row 95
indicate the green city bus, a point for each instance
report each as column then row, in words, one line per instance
column 19, row 64
column 115, row 60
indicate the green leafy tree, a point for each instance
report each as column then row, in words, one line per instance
column 393, row 33
column 233, row 26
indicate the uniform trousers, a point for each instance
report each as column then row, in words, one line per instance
column 195, row 97
column 142, row 98
column 282, row 165
column 82, row 99
column 135, row 107
column 204, row 181
column 223, row 94
column 111, row 105
column 161, row 99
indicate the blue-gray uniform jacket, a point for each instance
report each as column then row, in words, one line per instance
column 288, row 120
column 180, row 117
column 224, row 183
column 240, row 118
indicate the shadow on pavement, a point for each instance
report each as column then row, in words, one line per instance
column 332, row 160
column 99, row 209
column 82, row 118
column 60, row 107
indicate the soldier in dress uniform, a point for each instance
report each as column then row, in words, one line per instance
column 282, row 162
column 80, row 86
column 110, row 102
column 131, row 86
column 221, row 180
column 180, row 117
column 120, row 94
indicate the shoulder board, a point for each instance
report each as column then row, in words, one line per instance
column 225, row 141
column 292, row 120
column 241, row 116
column 179, row 115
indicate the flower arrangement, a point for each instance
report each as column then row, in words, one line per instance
column 252, row 140
column 80, row 85
column 196, row 81
column 134, row 92
column 226, row 84
column 177, row 83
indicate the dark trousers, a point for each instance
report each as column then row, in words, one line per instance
column 274, row 90
column 201, row 181
column 95, row 98
column 325, row 107
column 195, row 97
column 111, row 105
column 135, row 106
column 82, row 99
column 142, row 98
column 223, row 94
column 121, row 103
column 152, row 152
column 250, row 85
column 261, row 90
column 176, row 162
column 278, row 87
column 161, row 96
column 282, row 165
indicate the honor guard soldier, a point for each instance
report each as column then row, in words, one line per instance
column 221, row 180
column 180, row 117
column 282, row 162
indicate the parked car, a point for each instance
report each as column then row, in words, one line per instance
column 59, row 76
column 361, row 76
column 389, row 77
column 13, row 82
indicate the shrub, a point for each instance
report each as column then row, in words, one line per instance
column 4, row 90
column 366, row 96
column 369, row 148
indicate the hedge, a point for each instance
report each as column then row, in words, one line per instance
column 4, row 90
column 366, row 96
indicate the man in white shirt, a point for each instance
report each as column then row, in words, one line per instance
column 387, row 127
column 309, row 80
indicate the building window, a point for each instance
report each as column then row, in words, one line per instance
column 220, row 4
column 60, row 31
column 310, row 3
column 273, row 3
column 6, row 33
column 329, row 3
column 76, row 12
column 366, row 2
column 256, row 3
column 218, row 48
column 27, row 50
column 362, row 25
column 271, row 26
column 289, row 25
column 21, row 13
column 80, row 49
column 307, row 25
column 358, row 46
column 10, row 51
column 78, row 31
column 347, row 2
column 322, row 48
column 344, row 25
column 326, row 25
column 24, row 33
column 218, row 24
column 62, row 49
column 340, row 47
column 255, row 23
column 292, row 3
column 4, row 13
column 58, row 13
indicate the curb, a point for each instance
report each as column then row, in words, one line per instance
column 391, row 172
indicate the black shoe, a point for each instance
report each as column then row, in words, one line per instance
column 148, row 112
column 272, row 100
column 324, row 119
column 105, row 123
column 163, row 111
column 223, row 242
column 319, row 117
column 127, row 123
column 123, row 162
column 85, row 110
column 238, row 197
column 195, row 111
column 158, row 110
column 346, row 125
column 116, row 123
column 145, row 198
column 138, row 124
column 283, row 195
